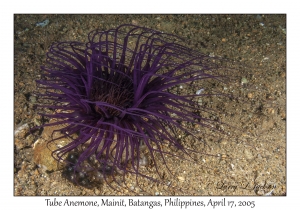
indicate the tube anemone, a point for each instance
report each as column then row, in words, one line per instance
column 116, row 98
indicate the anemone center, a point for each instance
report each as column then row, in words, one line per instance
column 116, row 92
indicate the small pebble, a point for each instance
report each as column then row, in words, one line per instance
column 22, row 129
column 266, row 58
column 134, row 22
column 271, row 111
column 36, row 122
column 97, row 192
column 80, row 31
column 32, row 99
column 42, row 24
column 199, row 91
column 224, row 156
column 143, row 161
column 180, row 178
column 244, row 81
column 248, row 154
column 269, row 193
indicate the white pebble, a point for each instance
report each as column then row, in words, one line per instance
column 199, row 91
column 42, row 24
column 143, row 161
column 21, row 128
column 266, row 58
column 269, row 193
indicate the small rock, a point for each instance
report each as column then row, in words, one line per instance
column 248, row 154
column 270, row 110
column 19, row 143
column 97, row 192
column 250, row 95
column 223, row 156
column 134, row 22
column 180, row 178
column 42, row 150
column 21, row 131
column 143, row 161
column 244, row 81
column 32, row 99
column 80, row 31
column 42, row 156
column 43, row 24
